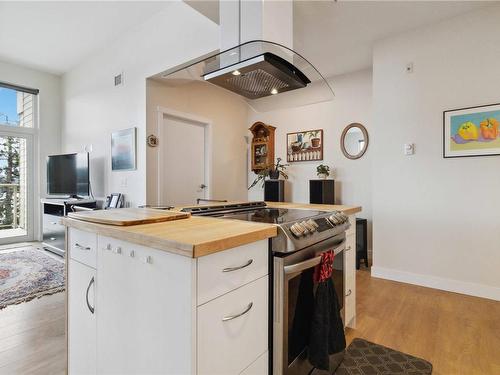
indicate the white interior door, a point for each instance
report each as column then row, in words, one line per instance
column 183, row 177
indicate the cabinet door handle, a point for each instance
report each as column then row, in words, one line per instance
column 231, row 317
column 231, row 269
column 348, row 248
column 349, row 292
column 91, row 308
column 81, row 247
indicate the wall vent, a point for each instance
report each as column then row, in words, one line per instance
column 119, row 79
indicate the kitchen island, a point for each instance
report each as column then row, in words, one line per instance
column 181, row 297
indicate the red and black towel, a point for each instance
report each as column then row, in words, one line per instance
column 326, row 330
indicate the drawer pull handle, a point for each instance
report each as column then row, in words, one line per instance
column 231, row 269
column 91, row 308
column 81, row 247
column 349, row 293
column 231, row 317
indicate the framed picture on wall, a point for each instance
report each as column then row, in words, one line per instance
column 123, row 150
column 305, row 146
column 473, row 131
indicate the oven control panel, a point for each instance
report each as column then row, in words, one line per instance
column 310, row 226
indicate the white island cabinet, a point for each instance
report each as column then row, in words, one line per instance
column 150, row 311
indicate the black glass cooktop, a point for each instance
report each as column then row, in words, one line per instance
column 272, row 215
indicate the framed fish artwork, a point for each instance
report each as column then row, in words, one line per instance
column 473, row 131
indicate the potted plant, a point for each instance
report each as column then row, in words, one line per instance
column 323, row 171
column 313, row 136
column 274, row 172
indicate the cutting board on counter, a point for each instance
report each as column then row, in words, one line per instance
column 128, row 216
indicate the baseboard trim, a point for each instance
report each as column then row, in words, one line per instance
column 449, row 285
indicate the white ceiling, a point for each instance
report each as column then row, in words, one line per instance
column 56, row 36
column 338, row 37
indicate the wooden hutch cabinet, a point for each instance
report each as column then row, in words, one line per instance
column 262, row 148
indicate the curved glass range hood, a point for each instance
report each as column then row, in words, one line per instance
column 267, row 75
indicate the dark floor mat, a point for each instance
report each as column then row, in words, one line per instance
column 366, row 358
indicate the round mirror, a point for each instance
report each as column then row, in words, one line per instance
column 354, row 141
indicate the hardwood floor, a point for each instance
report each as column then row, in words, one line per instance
column 457, row 333
column 32, row 339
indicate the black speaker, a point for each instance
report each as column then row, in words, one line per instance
column 361, row 242
column 274, row 190
column 322, row 191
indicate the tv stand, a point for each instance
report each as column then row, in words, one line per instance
column 53, row 210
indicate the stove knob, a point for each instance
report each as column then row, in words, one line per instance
column 309, row 227
column 302, row 228
column 295, row 230
column 333, row 219
column 312, row 224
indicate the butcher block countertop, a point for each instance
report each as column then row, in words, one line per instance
column 198, row 236
column 193, row 237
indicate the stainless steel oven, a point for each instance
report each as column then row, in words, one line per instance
column 303, row 235
column 294, row 300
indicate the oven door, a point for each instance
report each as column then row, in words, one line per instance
column 294, row 300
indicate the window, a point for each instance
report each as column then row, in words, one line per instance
column 17, row 106
column 18, row 125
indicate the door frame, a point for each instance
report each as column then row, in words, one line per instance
column 31, row 136
column 162, row 113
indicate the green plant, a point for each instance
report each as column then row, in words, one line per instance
column 323, row 170
column 274, row 168
column 313, row 134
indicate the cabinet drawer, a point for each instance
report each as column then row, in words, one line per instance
column 259, row 367
column 83, row 247
column 222, row 272
column 230, row 339
column 53, row 231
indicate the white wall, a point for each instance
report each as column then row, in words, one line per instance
column 436, row 221
column 49, row 125
column 228, row 114
column 94, row 108
column 352, row 103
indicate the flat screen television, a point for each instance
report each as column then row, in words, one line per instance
column 68, row 174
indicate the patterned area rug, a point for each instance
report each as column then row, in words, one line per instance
column 366, row 358
column 28, row 273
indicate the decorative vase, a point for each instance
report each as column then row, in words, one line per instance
column 274, row 175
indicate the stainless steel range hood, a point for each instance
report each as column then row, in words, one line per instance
column 263, row 75
column 295, row 80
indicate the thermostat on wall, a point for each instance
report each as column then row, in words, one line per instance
column 409, row 148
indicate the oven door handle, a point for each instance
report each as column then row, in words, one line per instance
column 306, row 264
column 310, row 263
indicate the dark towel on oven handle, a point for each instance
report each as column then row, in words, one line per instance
column 327, row 329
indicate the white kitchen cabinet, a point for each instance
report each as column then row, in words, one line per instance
column 350, row 275
column 227, row 270
column 154, row 314
column 81, row 319
column 146, row 308
column 233, row 330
